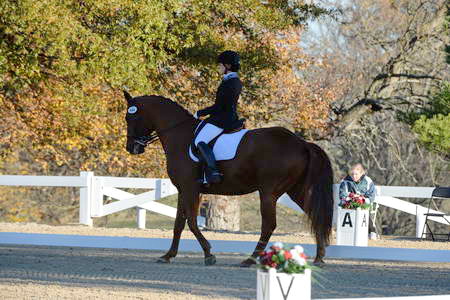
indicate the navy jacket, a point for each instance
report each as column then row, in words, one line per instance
column 223, row 113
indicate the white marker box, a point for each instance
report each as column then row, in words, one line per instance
column 352, row 227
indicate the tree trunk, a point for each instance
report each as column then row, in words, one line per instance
column 222, row 212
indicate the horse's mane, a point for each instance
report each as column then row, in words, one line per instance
column 167, row 101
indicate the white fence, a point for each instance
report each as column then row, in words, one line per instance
column 93, row 189
column 386, row 196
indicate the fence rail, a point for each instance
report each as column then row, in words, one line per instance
column 93, row 189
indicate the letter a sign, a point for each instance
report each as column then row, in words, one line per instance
column 352, row 227
column 347, row 220
column 364, row 221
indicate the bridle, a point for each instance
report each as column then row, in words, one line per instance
column 146, row 140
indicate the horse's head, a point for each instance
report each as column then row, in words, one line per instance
column 139, row 130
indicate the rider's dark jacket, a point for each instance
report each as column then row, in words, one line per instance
column 223, row 113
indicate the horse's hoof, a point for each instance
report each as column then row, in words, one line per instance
column 319, row 263
column 210, row 260
column 247, row 263
column 163, row 260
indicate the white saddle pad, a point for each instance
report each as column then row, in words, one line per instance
column 226, row 145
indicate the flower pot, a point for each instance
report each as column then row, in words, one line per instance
column 352, row 227
column 273, row 286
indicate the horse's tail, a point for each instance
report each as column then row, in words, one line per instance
column 318, row 193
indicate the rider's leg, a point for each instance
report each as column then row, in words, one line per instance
column 208, row 133
column 213, row 174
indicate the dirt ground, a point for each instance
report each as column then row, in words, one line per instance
column 38, row 272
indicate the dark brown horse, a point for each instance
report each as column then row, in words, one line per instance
column 272, row 161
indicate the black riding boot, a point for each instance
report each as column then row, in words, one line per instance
column 212, row 173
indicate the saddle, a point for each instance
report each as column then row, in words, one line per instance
column 238, row 126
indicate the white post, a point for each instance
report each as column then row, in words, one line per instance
column 86, row 198
column 158, row 189
column 141, row 215
column 336, row 201
column 420, row 221
column 97, row 196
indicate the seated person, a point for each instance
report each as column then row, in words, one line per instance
column 359, row 183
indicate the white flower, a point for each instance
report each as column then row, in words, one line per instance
column 297, row 258
column 295, row 254
column 278, row 244
column 299, row 249
column 301, row 261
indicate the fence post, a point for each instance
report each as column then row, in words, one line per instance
column 86, row 198
column 141, row 215
column 335, row 204
column 420, row 221
column 97, row 196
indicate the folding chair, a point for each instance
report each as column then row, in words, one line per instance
column 439, row 192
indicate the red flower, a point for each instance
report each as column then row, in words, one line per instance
column 287, row 255
column 268, row 257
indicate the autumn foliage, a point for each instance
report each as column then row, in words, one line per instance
column 63, row 65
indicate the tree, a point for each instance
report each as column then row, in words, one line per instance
column 432, row 123
column 63, row 65
column 390, row 57
column 391, row 53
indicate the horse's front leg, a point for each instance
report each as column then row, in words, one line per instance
column 268, row 225
column 180, row 222
column 191, row 206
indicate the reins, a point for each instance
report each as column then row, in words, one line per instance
column 152, row 137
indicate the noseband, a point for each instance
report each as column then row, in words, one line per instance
column 146, row 140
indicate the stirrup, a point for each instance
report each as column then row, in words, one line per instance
column 210, row 177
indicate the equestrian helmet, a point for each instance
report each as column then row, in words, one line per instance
column 230, row 58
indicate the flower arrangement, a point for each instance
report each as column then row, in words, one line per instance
column 354, row 201
column 284, row 260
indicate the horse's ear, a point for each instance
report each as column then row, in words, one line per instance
column 127, row 96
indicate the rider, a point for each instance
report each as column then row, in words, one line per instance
column 222, row 115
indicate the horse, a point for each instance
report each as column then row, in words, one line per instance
column 272, row 161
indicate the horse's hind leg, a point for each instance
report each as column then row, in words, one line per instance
column 180, row 222
column 268, row 225
column 320, row 252
column 296, row 195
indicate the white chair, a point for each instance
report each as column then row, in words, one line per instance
column 373, row 217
